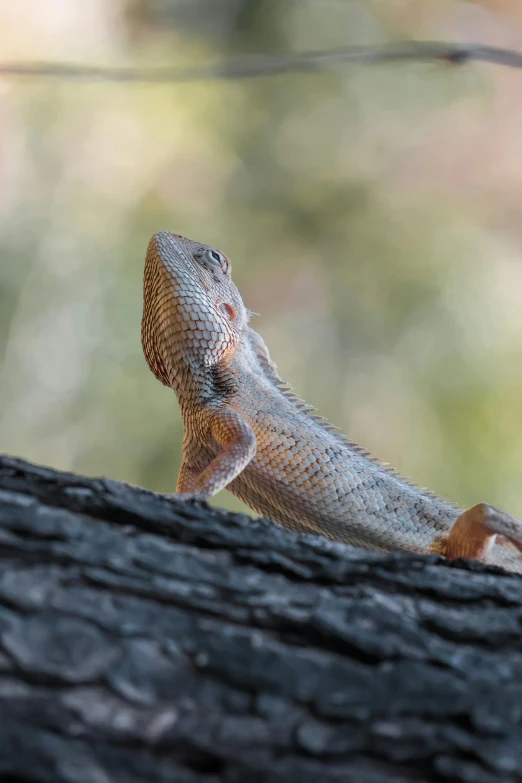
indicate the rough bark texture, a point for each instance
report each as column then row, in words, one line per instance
column 145, row 640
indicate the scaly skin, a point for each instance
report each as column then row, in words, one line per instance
column 247, row 431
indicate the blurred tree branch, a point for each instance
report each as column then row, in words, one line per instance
column 273, row 65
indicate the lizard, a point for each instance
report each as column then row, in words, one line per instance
column 245, row 429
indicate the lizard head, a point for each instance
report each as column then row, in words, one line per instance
column 193, row 314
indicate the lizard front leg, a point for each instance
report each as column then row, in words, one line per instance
column 475, row 531
column 237, row 444
column 186, row 479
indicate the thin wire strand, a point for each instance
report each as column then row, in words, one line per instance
column 273, row 65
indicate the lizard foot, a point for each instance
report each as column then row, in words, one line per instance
column 475, row 531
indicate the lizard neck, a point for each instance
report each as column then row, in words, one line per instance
column 204, row 387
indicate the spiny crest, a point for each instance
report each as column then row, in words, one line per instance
column 270, row 372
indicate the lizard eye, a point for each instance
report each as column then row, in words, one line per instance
column 218, row 259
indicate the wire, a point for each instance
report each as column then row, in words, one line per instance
column 273, row 65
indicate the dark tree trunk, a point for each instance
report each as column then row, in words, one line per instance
column 148, row 641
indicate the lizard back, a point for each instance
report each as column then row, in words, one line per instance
column 311, row 478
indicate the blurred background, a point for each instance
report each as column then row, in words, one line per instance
column 372, row 216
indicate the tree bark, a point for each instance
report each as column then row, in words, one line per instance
column 144, row 640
